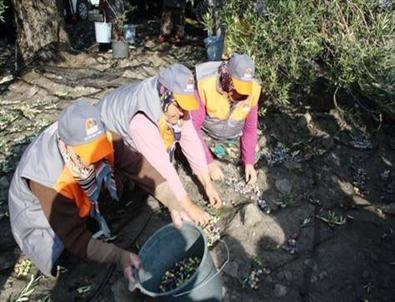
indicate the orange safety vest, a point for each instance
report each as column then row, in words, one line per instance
column 68, row 187
column 217, row 103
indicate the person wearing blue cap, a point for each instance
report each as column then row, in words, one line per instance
column 61, row 181
column 153, row 116
column 229, row 95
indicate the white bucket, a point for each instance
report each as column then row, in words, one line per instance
column 103, row 32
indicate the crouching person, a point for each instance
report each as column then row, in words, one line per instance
column 62, row 178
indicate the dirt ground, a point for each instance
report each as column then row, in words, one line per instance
column 325, row 231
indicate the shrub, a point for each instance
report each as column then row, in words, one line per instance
column 2, row 9
column 294, row 42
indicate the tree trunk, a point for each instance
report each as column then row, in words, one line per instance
column 40, row 28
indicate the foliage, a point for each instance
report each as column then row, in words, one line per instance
column 350, row 43
column 208, row 21
column 2, row 9
column 27, row 291
column 118, row 21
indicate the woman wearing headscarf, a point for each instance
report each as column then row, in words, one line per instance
column 228, row 95
column 61, row 181
column 153, row 116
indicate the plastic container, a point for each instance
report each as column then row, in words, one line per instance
column 103, row 32
column 163, row 250
column 120, row 49
column 214, row 47
column 130, row 33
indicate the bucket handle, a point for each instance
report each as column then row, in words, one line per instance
column 209, row 279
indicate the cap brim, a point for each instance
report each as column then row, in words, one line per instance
column 242, row 87
column 186, row 101
column 94, row 151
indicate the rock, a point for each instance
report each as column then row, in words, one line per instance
column 262, row 180
column 232, row 269
column 280, row 290
column 389, row 208
column 149, row 44
column 284, row 186
column 251, row 215
column 262, row 142
column 358, row 200
column 4, row 183
column 346, row 187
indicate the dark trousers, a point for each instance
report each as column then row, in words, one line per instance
column 172, row 21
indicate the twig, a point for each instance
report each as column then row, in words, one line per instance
column 335, row 100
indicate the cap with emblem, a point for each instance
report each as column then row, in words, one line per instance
column 80, row 127
column 179, row 80
column 242, row 71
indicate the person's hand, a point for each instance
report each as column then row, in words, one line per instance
column 213, row 196
column 215, row 172
column 178, row 216
column 198, row 216
column 250, row 174
column 130, row 264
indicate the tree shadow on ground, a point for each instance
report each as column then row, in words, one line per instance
column 329, row 184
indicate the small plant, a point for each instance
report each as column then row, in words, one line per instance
column 284, row 201
column 208, row 22
column 118, row 22
column 305, row 222
column 27, row 291
column 85, row 289
column 2, row 9
column 332, row 219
